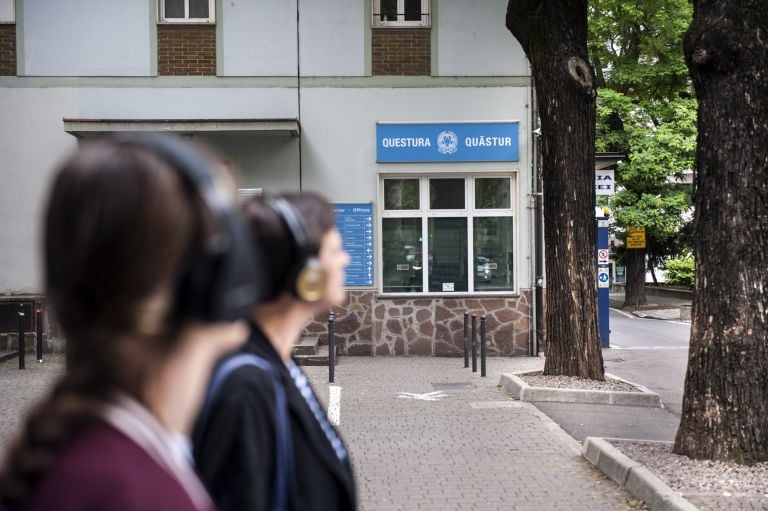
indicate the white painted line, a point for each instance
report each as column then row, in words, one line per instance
column 482, row 405
column 334, row 405
column 427, row 396
column 651, row 347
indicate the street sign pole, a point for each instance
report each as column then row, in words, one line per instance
column 603, row 281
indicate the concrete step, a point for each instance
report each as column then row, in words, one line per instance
column 318, row 359
column 306, row 346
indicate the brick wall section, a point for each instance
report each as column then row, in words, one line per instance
column 373, row 326
column 186, row 50
column 404, row 52
column 7, row 50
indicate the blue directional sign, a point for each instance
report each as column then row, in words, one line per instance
column 355, row 223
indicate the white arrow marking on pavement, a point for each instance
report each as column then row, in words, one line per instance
column 428, row 396
column 334, row 405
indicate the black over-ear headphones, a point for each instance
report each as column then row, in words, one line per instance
column 220, row 280
column 307, row 277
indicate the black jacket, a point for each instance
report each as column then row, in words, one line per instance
column 235, row 449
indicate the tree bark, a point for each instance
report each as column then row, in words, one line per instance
column 553, row 34
column 725, row 405
column 634, row 289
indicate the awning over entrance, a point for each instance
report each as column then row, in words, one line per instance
column 608, row 161
column 84, row 128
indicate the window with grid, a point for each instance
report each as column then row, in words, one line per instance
column 447, row 234
column 187, row 11
column 401, row 13
column 7, row 11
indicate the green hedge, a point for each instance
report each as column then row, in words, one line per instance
column 681, row 271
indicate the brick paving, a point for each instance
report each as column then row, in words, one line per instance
column 19, row 390
column 474, row 448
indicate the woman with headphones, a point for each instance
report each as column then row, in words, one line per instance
column 264, row 441
column 148, row 303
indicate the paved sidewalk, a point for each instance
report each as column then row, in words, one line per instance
column 19, row 390
column 473, row 447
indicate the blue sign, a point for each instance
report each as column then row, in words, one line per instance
column 488, row 141
column 355, row 224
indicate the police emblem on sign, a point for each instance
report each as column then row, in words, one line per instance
column 447, row 142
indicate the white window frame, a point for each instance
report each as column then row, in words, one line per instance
column 186, row 19
column 400, row 21
column 4, row 4
column 469, row 213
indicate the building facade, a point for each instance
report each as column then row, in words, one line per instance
column 412, row 116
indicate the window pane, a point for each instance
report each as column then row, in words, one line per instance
column 412, row 10
column 401, row 247
column 492, row 193
column 446, row 193
column 388, row 10
column 7, row 14
column 198, row 9
column 447, row 254
column 401, row 194
column 174, row 8
column 494, row 259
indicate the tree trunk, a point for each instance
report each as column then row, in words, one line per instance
column 634, row 290
column 553, row 34
column 725, row 405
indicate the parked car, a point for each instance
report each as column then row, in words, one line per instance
column 484, row 267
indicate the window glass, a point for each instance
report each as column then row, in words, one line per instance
column 401, row 194
column 493, row 253
column 7, row 14
column 412, row 10
column 388, row 10
column 199, row 9
column 492, row 193
column 446, row 193
column 174, row 8
column 401, row 255
column 447, row 254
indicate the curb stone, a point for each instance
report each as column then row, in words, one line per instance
column 524, row 392
column 634, row 477
column 659, row 314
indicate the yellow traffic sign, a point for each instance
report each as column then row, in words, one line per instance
column 635, row 237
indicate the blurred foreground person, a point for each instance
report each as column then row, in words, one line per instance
column 264, row 441
column 146, row 269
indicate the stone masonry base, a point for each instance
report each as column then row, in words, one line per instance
column 371, row 325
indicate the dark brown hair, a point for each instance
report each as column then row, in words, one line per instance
column 268, row 228
column 117, row 228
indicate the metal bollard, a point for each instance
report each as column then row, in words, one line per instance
column 474, row 343
column 331, row 346
column 39, row 331
column 482, row 346
column 21, row 336
column 466, row 346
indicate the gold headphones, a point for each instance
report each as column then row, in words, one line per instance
column 307, row 278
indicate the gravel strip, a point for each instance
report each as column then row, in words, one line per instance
column 686, row 475
column 571, row 382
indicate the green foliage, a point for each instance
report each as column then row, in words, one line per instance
column 681, row 271
column 646, row 111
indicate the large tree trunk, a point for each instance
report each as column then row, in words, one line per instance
column 553, row 34
column 725, row 406
column 634, row 289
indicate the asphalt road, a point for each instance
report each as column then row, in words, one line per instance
column 628, row 331
column 652, row 353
